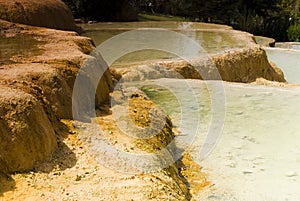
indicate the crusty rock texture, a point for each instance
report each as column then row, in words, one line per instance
column 78, row 174
column 36, row 94
column 241, row 65
column 46, row 13
column 155, row 180
column 46, row 80
column 26, row 134
column 246, row 65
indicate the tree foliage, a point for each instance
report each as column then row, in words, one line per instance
column 261, row 17
column 294, row 32
column 104, row 10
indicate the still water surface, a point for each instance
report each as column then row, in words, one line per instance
column 211, row 38
column 257, row 156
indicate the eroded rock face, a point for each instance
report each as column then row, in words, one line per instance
column 46, row 13
column 241, row 65
column 136, row 151
column 38, row 93
column 246, row 65
column 44, row 83
column 26, row 134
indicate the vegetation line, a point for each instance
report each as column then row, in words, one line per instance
column 279, row 19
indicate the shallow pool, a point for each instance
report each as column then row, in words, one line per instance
column 289, row 45
column 247, row 137
column 153, row 24
column 288, row 60
column 257, row 156
column 211, row 38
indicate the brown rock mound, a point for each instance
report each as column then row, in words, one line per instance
column 27, row 135
column 246, row 65
column 151, row 181
column 241, row 65
column 44, row 83
column 46, row 13
column 36, row 91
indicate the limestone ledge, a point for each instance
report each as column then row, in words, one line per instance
column 46, row 80
column 238, row 65
column 36, row 94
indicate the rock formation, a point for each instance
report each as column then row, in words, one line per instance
column 26, row 134
column 40, row 93
column 240, row 65
column 157, row 169
column 47, row 13
column 36, row 93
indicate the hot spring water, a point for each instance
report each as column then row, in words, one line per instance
column 288, row 60
column 257, row 155
column 212, row 41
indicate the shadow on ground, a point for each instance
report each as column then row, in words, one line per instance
column 7, row 183
column 62, row 158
